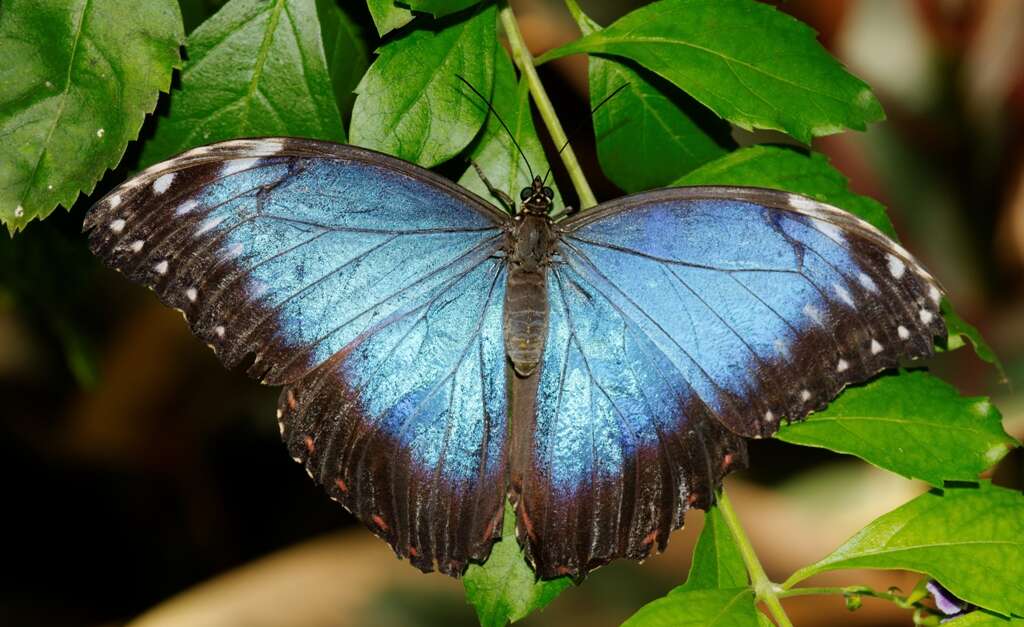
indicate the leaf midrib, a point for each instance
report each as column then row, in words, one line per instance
column 63, row 103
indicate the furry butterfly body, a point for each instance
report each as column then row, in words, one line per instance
column 440, row 356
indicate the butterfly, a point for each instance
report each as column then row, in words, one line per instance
column 439, row 356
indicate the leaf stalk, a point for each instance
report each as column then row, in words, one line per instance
column 524, row 61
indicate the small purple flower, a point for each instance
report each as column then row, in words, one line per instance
column 947, row 602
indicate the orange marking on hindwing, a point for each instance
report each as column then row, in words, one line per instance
column 377, row 520
column 650, row 538
column 310, row 446
column 341, row 485
column 293, row 402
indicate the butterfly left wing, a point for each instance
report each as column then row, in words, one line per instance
column 372, row 289
column 680, row 320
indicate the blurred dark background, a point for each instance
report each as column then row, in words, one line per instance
column 137, row 472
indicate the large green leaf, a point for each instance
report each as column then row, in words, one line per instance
column 785, row 168
column 257, row 67
column 744, row 60
column 439, row 8
column 717, row 563
column 345, row 51
column 913, row 424
column 649, row 133
column 411, row 103
column 730, row 607
column 77, row 78
column 505, row 589
column 388, row 16
column 494, row 151
column 969, row 539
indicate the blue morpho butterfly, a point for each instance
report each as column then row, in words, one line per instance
column 439, row 355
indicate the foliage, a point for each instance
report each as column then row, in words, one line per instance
column 79, row 78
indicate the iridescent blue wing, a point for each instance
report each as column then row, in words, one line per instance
column 682, row 318
column 372, row 290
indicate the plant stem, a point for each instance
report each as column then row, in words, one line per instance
column 763, row 587
column 524, row 61
column 907, row 602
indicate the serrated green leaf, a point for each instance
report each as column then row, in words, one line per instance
column 717, row 563
column 77, row 78
column 913, row 424
column 731, row 607
column 971, row 540
column 505, row 589
column 387, row 16
column 649, row 133
column 439, row 8
column 411, row 103
column 749, row 63
column 962, row 332
column 256, row 68
column 345, row 51
column 494, row 151
column 789, row 169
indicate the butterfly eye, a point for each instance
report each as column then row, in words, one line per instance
column 523, row 195
column 550, row 193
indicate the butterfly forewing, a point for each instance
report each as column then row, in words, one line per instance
column 373, row 289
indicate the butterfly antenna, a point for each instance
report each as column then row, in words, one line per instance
column 503, row 125
column 592, row 112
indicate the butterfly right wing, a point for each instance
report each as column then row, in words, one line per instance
column 369, row 286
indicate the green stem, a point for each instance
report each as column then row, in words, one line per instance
column 908, row 602
column 524, row 61
column 764, row 589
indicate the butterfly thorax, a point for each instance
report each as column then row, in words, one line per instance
column 529, row 247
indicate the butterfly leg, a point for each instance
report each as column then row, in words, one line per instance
column 494, row 191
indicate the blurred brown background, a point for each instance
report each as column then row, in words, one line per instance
column 137, row 472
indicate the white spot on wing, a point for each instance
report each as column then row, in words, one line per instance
column 117, row 225
column 875, row 347
column 896, row 266
column 769, row 416
column 867, row 282
column 161, row 268
column 842, row 366
column 191, row 294
column 237, row 165
column 926, row 316
column 903, row 332
column 114, row 201
column 185, row 207
column 802, row 203
column 781, row 348
column 269, row 146
column 934, row 294
column 843, row 293
column 163, row 183
column 830, row 230
column 812, row 312
column 805, row 395
column 209, row 223
column 219, row 330
column 234, row 251
column 137, row 245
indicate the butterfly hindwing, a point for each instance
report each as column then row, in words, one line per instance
column 369, row 286
column 682, row 319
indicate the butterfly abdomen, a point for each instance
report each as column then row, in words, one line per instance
column 526, row 299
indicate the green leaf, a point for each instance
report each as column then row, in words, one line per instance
column 504, row 589
column 387, row 16
column 785, row 168
column 961, row 332
column 649, row 133
column 256, row 68
column 746, row 61
column 77, row 78
column 969, row 539
column 981, row 618
column 411, row 103
column 717, row 563
column 731, row 607
column 345, row 51
column 494, row 151
column 913, row 424
column 439, row 8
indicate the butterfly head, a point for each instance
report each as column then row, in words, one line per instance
column 537, row 197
